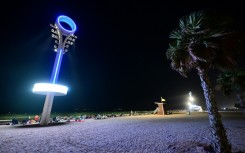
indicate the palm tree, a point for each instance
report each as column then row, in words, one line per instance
column 233, row 81
column 201, row 43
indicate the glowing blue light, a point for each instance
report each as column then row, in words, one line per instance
column 69, row 21
column 57, row 66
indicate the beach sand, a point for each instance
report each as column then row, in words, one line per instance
column 175, row 133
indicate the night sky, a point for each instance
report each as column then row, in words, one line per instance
column 118, row 61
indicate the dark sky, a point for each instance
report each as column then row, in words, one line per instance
column 118, row 61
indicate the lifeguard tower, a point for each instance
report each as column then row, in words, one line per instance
column 160, row 109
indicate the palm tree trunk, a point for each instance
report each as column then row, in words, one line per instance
column 220, row 142
column 241, row 102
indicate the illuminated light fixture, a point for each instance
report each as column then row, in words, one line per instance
column 53, row 26
column 162, row 99
column 54, row 36
column 52, row 30
column 69, row 21
column 52, row 89
column 45, row 88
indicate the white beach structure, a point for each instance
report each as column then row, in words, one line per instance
column 195, row 108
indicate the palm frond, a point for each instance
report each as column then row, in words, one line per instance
column 195, row 20
column 232, row 81
column 182, row 24
column 198, row 43
column 175, row 35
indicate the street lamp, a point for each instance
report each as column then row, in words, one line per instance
column 63, row 38
column 191, row 99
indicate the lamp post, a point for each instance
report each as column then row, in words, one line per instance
column 191, row 99
column 63, row 38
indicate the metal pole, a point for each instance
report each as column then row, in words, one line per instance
column 50, row 97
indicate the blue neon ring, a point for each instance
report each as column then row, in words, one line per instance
column 69, row 21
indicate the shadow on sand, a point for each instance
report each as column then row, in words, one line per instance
column 38, row 125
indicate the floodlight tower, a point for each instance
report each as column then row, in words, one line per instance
column 63, row 38
column 190, row 104
column 190, row 97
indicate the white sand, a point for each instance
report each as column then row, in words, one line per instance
column 175, row 133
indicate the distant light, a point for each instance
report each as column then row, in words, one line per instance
column 191, row 98
column 45, row 88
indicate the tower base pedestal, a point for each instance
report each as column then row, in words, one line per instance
column 47, row 109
